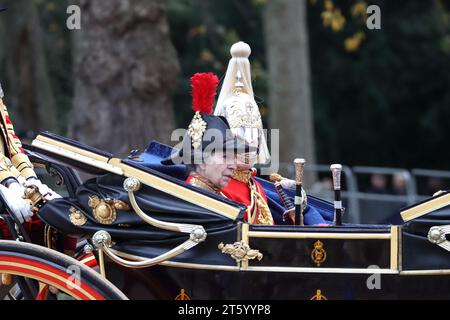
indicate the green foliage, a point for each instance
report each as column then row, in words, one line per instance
column 380, row 96
column 203, row 32
column 58, row 50
column 56, row 43
column 388, row 102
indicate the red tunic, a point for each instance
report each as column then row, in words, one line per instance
column 240, row 192
column 34, row 228
column 250, row 193
column 201, row 182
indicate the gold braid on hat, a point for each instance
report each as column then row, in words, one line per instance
column 204, row 87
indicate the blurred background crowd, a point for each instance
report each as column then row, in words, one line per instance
column 340, row 92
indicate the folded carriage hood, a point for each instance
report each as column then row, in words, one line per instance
column 161, row 196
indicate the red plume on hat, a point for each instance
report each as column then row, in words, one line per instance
column 204, row 87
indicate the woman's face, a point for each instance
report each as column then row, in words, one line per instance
column 218, row 169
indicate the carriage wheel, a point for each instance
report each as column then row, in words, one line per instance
column 38, row 273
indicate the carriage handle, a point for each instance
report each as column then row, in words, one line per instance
column 131, row 185
column 102, row 241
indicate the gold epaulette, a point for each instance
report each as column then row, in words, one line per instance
column 201, row 182
column 242, row 175
column 258, row 212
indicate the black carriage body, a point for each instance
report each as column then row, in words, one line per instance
column 345, row 262
column 168, row 283
column 354, row 268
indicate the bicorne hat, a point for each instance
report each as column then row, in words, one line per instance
column 206, row 132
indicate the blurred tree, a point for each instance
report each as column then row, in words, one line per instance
column 387, row 102
column 380, row 97
column 203, row 33
column 125, row 71
column 28, row 89
column 288, row 62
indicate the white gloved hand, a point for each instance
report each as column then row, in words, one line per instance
column 288, row 184
column 13, row 198
column 291, row 185
column 48, row 193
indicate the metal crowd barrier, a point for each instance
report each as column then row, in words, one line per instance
column 363, row 206
column 427, row 173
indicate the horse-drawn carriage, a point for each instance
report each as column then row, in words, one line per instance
column 143, row 233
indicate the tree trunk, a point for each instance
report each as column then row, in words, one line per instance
column 290, row 109
column 125, row 72
column 29, row 97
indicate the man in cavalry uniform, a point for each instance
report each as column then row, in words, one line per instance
column 16, row 172
column 237, row 104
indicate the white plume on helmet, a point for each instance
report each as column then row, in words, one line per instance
column 237, row 103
